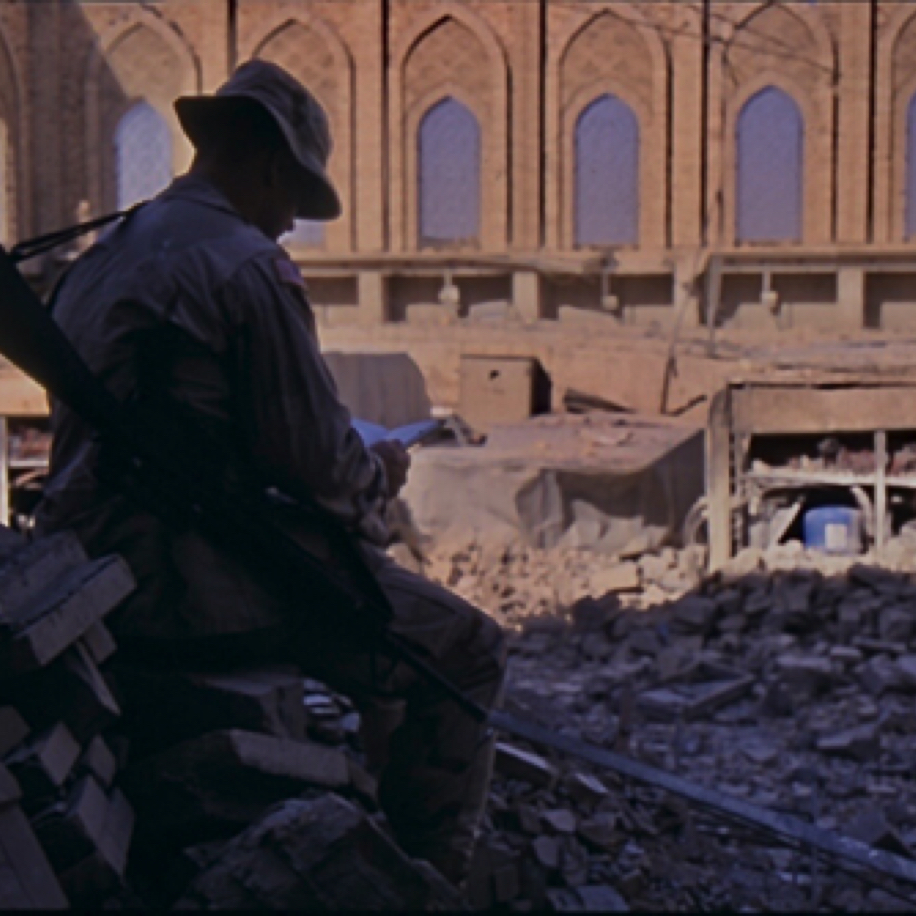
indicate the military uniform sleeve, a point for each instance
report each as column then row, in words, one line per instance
column 296, row 428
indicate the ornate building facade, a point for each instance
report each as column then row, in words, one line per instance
column 751, row 163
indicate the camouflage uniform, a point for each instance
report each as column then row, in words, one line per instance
column 253, row 375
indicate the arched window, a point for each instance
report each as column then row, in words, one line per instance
column 770, row 140
column 607, row 174
column 911, row 168
column 307, row 232
column 143, row 154
column 449, row 174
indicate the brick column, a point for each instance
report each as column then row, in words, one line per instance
column 852, row 148
column 850, row 296
column 686, row 138
column 526, row 294
column 373, row 297
column 686, row 292
column 371, row 130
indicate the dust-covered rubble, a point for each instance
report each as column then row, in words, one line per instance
column 788, row 680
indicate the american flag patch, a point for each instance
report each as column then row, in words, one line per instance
column 288, row 273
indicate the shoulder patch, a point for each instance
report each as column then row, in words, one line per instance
column 288, row 273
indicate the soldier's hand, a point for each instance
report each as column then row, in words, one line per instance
column 397, row 462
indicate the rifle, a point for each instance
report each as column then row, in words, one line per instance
column 31, row 339
column 148, row 466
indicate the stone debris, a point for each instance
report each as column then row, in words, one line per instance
column 65, row 833
column 317, row 854
column 126, row 786
column 788, row 679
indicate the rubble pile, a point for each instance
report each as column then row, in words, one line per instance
column 787, row 680
column 128, row 786
column 64, row 830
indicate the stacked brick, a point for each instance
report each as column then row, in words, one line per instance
column 64, row 830
column 240, row 786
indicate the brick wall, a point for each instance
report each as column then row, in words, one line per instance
column 527, row 70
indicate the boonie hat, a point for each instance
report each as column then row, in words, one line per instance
column 297, row 113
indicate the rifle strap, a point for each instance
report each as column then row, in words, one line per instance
column 31, row 248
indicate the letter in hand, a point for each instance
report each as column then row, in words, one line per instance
column 397, row 462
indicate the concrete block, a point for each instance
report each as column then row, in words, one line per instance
column 198, row 789
column 64, row 612
column 164, row 708
column 323, row 854
column 26, row 575
column 501, row 390
column 13, row 729
column 90, row 880
column 623, row 577
column 87, row 823
column 26, row 879
column 99, row 761
column 42, row 764
column 9, row 788
column 694, row 613
column 99, row 641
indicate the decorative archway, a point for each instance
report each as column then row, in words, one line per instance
column 568, row 93
column 800, row 61
column 139, row 59
column 489, row 102
column 310, row 49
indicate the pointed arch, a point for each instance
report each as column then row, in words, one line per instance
column 769, row 137
column 137, row 17
column 811, row 18
column 140, row 57
column 427, row 21
column 567, row 93
column 634, row 17
column 607, row 173
column 280, row 20
column 802, row 64
column 313, row 51
column 448, row 142
column 487, row 97
column 817, row 161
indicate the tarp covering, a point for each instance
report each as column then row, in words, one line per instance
column 384, row 388
column 601, row 482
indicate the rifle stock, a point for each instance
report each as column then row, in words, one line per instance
column 31, row 340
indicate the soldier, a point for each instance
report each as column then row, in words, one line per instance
column 191, row 305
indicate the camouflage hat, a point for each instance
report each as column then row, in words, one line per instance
column 297, row 113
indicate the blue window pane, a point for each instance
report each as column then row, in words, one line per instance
column 911, row 168
column 143, row 154
column 449, row 174
column 607, row 174
column 307, row 232
column 770, row 160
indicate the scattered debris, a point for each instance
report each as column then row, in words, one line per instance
column 811, row 715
